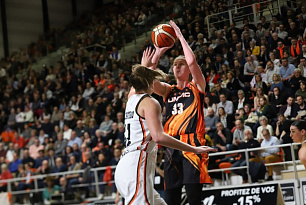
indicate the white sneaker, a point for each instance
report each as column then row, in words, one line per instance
column 100, row 196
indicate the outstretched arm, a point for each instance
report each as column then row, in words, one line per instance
column 197, row 75
column 150, row 109
column 160, row 88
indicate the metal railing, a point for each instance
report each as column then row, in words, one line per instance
column 246, row 151
column 96, row 179
column 234, row 15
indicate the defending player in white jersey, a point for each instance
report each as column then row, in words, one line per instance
column 143, row 130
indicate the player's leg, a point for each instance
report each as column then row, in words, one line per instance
column 173, row 169
column 157, row 199
column 173, row 196
column 194, row 193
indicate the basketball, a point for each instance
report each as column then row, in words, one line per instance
column 163, row 35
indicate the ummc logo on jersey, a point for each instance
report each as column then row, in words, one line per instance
column 129, row 115
column 176, row 98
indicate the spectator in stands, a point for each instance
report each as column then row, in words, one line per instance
column 269, row 155
column 222, row 137
column 42, row 136
column 238, row 135
column 60, row 144
column 286, row 71
column 302, row 90
column 228, row 105
column 218, row 91
column 259, row 94
column 277, row 82
column 27, row 159
column 270, row 71
column 5, row 174
column 264, row 124
column 259, row 82
column 2, row 150
column 277, row 99
column 289, row 110
column 41, row 157
column 250, row 67
column 73, row 179
column 50, row 189
column 33, row 149
column 248, row 143
column 106, row 125
column 13, row 166
column 301, row 109
column 210, row 122
column 282, row 132
column 226, row 119
column 67, row 132
column 74, row 139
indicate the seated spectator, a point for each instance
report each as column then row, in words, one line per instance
column 41, row 157
column 73, row 179
column 294, row 82
column 286, row 71
column 259, row 94
column 5, row 174
column 270, row 70
column 80, row 129
column 2, row 150
column 60, row 144
column 264, row 124
column 67, row 132
column 222, row 137
column 209, row 104
column 282, row 132
column 233, row 85
column 47, row 126
column 68, row 193
column 301, row 108
column 241, row 101
column 302, row 90
column 248, row 143
column 241, row 115
column 74, row 139
column 18, row 139
column 13, row 166
column 112, row 135
column 106, row 125
column 289, row 110
column 259, row 83
column 250, row 68
column 277, row 99
column 50, row 189
column 226, row 104
column 210, row 122
column 27, row 159
column 302, row 65
column 55, row 117
column 218, row 91
column 226, row 119
column 277, row 82
column 33, row 149
column 238, row 135
column 268, row 155
column 26, row 133
column 41, row 137
column 24, row 170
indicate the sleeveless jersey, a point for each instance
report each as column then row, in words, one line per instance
column 184, row 111
column 185, row 121
column 137, row 134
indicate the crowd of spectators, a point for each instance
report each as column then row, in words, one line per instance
column 70, row 116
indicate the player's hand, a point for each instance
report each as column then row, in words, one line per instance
column 147, row 56
column 177, row 30
column 204, row 149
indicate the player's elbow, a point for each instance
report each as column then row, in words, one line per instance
column 157, row 137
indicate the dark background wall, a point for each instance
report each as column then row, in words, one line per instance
column 25, row 19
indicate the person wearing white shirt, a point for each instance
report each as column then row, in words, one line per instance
column 269, row 155
column 260, row 71
column 67, row 132
column 302, row 65
column 282, row 33
column 88, row 91
column 19, row 116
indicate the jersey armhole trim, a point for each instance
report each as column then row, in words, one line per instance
column 168, row 92
column 144, row 96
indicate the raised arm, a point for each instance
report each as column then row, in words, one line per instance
column 160, row 88
column 197, row 75
column 150, row 109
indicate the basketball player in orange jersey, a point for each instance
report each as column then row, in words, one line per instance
column 143, row 130
column 184, row 121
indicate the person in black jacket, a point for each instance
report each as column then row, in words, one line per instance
column 249, row 142
column 222, row 137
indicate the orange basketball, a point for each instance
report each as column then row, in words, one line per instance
column 163, row 35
